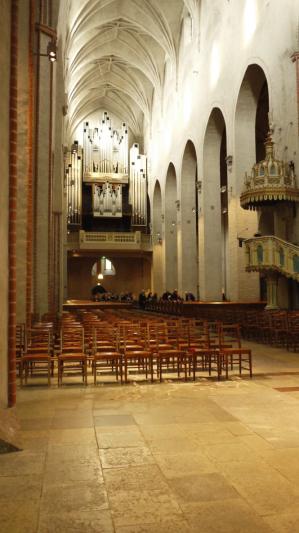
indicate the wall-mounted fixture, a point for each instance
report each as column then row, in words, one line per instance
column 229, row 162
column 158, row 238
column 199, row 186
column 224, row 189
column 51, row 51
column 196, row 211
column 178, row 204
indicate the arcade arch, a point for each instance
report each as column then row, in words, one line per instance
column 157, row 265
column 170, row 230
column 213, row 243
column 188, row 228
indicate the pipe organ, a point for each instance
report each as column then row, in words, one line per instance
column 102, row 166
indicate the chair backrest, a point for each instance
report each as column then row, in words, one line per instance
column 109, row 336
column 230, row 334
column 39, row 338
column 72, row 338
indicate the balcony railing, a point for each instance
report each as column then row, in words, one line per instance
column 270, row 253
column 114, row 241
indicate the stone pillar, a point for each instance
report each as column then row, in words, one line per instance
column 30, row 137
column 43, row 176
column 4, row 173
column 12, row 206
column 22, row 160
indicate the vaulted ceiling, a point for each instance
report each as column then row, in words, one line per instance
column 115, row 52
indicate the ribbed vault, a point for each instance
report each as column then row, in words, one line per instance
column 115, row 52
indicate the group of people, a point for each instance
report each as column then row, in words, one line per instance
column 99, row 294
column 147, row 296
column 174, row 296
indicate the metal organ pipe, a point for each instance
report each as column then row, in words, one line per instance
column 138, row 186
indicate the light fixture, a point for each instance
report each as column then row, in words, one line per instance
column 100, row 276
column 196, row 211
column 199, row 186
column 229, row 161
column 173, row 223
column 51, row 52
column 159, row 238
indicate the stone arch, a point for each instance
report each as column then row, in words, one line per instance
column 212, row 265
column 170, row 230
column 251, row 120
column 251, row 125
column 188, row 228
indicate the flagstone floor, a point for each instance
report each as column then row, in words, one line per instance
column 152, row 458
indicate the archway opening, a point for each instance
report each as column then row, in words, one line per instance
column 157, row 240
column 188, row 229
column 214, row 220
column 170, row 232
column 251, row 127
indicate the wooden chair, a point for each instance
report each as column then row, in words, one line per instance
column 37, row 358
column 106, row 354
column 137, row 356
column 72, row 357
column 228, row 358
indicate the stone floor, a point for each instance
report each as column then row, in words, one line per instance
column 142, row 458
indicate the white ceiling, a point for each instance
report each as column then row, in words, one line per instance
column 115, row 52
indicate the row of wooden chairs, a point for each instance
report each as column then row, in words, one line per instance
column 133, row 343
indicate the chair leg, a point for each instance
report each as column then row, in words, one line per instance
column 219, row 366
column 21, row 372
column 85, row 371
column 26, row 367
column 60, row 370
column 94, row 370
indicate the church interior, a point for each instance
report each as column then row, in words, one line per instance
column 150, row 266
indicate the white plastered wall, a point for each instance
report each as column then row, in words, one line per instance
column 233, row 35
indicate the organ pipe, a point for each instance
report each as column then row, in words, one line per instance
column 73, row 184
column 138, row 186
column 105, row 148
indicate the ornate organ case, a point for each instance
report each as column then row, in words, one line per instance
column 102, row 165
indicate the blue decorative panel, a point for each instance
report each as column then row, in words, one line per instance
column 281, row 257
column 260, row 254
column 296, row 264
